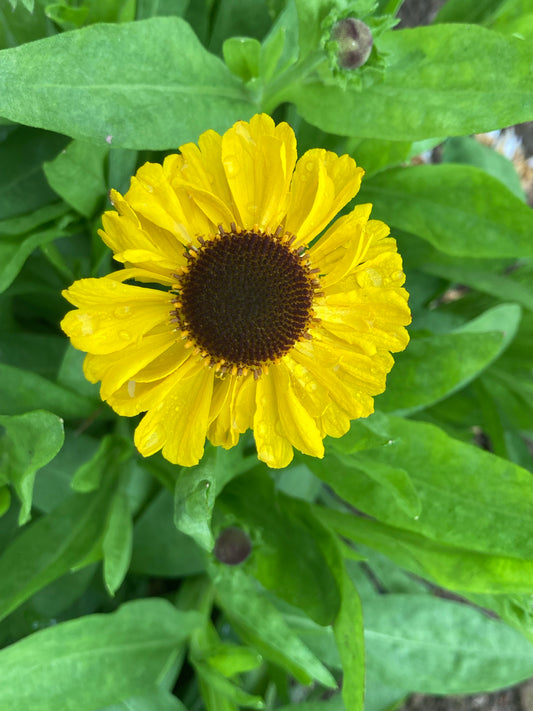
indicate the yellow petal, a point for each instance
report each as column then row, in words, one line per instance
column 258, row 159
column 168, row 424
column 199, row 171
column 236, row 414
column 335, row 422
column 296, row 422
column 317, row 361
column 342, row 247
column 115, row 369
column 165, row 363
column 152, row 196
column 111, row 315
column 125, row 230
column 273, row 447
column 322, row 184
column 143, row 275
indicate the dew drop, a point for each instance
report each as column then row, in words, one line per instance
column 121, row 311
column 156, row 438
column 309, row 165
column 124, row 335
column 88, row 324
column 231, row 166
column 375, row 277
column 131, row 388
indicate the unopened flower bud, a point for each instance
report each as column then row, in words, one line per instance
column 354, row 40
column 232, row 546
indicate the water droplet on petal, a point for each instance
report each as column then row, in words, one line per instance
column 125, row 335
column 131, row 388
column 375, row 277
column 231, row 166
column 156, row 438
column 88, row 324
column 121, row 311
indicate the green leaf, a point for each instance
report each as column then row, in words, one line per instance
column 260, row 624
column 470, row 498
column 28, row 4
column 375, row 155
column 290, row 548
column 68, row 18
column 112, row 451
column 280, row 47
column 126, row 652
column 122, row 85
column 348, row 630
column 155, row 700
column 54, row 485
column 194, row 499
column 392, row 478
column 238, row 18
column 475, row 11
column 27, row 223
column 434, row 367
column 333, row 704
column 30, row 441
column 23, row 390
column 159, row 549
column 464, row 149
column 153, row 8
column 470, row 274
column 431, row 645
column 197, row 487
column 350, row 475
column 50, row 547
column 459, row 209
column 77, row 175
column 216, row 687
column 242, row 55
column 232, row 659
column 23, row 188
column 430, row 70
column 70, row 373
column 14, row 252
column 117, row 541
column 5, row 500
column 122, row 165
column 452, row 567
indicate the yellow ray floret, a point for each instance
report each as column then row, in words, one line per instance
column 254, row 309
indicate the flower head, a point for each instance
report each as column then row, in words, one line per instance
column 243, row 320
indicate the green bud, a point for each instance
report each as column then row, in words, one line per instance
column 354, row 41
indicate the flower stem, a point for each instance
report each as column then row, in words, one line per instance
column 279, row 89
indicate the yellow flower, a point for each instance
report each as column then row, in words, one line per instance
column 246, row 324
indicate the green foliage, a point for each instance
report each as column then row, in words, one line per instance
column 110, row 582
column 127, row 652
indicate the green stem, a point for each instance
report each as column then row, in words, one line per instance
column 279, row 89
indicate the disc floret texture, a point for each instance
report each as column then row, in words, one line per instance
column 243, row 304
